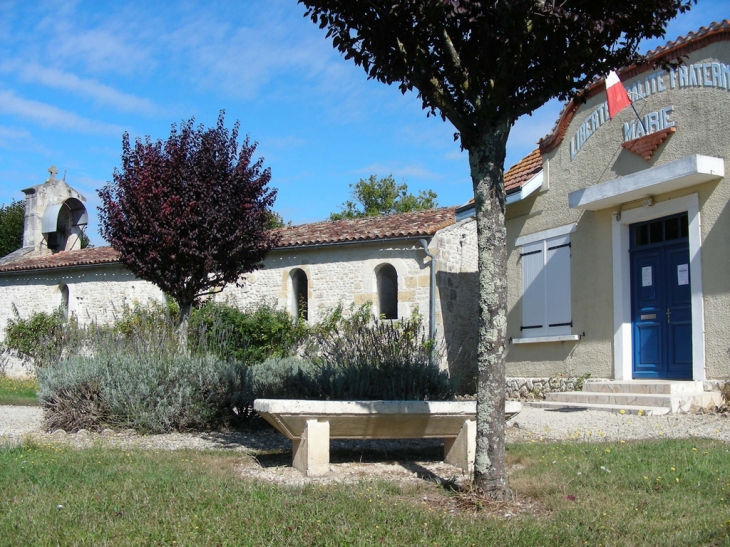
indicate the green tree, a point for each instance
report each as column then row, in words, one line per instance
column 373, row 197
column 275, row 220
column 481, row 64
column 12, row 219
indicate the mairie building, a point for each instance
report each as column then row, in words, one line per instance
column 619, row 229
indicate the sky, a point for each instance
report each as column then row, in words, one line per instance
column 75, row 75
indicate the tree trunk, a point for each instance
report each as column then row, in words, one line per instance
column 486, row 160
column 182, row 328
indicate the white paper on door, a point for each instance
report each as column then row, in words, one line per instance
column 683, row 274
column 646, row 276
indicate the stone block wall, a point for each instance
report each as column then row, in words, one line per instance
column 457, row 304
column 336, row 274
column 95, row 294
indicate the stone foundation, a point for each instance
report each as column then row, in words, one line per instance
column 527, row 389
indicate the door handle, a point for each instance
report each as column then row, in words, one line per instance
column 669, row 315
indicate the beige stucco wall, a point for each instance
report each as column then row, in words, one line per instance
column 701, row 117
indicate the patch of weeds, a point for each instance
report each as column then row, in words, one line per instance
column 18, row 391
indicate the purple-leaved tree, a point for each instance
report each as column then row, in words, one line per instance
column 481, row 64
column 189, row 214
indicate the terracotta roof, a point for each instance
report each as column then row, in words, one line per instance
column 517, row 175
column 646, row 146
column 418, row 224
column 682, row 46
column 64, row 259
column 523, row 171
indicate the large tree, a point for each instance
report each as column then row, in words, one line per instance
column 481, row 64
column 189, row 214
column 12, row 220
column 374, row 196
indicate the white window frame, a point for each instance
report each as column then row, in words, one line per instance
column 543, row 284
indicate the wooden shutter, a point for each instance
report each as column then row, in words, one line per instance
column 533, row 289
column 557, row 285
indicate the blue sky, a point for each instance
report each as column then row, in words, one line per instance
column 74, row 75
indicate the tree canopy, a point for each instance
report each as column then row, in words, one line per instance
column 12, row 221
column 189, row 214
column 481, row 64
column 374, row 196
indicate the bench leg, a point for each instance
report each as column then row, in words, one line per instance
column 311, row 452
column 459, row 451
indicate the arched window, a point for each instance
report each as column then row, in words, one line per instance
column 387, row 279
column 300, row 294
column 63, row 291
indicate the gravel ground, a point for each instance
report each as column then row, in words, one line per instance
column 270, row 452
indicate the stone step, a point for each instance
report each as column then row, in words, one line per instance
column 646, row 387
column 674, row 403
column 577, row 407
column 624, row 399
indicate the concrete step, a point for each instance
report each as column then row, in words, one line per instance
column 577, row 407
column 621, row 399
column 673, row 403
column 645, row 387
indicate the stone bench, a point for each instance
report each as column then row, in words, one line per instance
column 311, row 424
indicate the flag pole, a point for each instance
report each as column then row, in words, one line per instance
column 631, row 101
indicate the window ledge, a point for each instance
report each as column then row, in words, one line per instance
column 546, row 339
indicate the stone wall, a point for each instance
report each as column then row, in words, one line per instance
column 457, row 301
column 95, row 293
column 536, row 388
column 336, row 274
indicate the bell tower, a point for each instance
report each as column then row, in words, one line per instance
column 55, row 216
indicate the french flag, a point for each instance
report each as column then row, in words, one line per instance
column 616, row 94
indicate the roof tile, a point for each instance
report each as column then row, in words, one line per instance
column 523, row 171
column 417, row 224
column 64, row 259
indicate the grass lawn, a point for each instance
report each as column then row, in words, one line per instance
column 644, row 493
column 15, row 391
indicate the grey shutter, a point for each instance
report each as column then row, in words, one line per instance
column 557, row 284
column 533, row 289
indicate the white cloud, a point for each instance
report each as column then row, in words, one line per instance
column 84, row 87
column 287, row 142
column 398, row 171
column 113, row 46
column 73, row 33
column 51, row 116
column 457, row 155
column 21, row 139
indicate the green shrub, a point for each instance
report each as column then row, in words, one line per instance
column 356, row 340
column 248, row 336
column 144, row 392
column 156, row 316
column 359, row 358
column 294, row 378
column 139, row 380
column 42, row 338
column 284, row 378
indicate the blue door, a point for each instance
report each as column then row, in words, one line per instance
column 661, row 299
